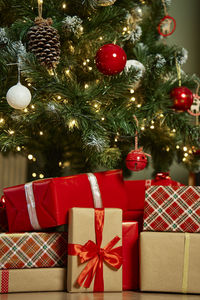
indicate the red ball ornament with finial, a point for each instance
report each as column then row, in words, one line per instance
column 182, row 98
column 136, row 160
column 110, row 59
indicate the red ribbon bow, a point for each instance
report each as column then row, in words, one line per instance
column 95, row 255
column 162, row 175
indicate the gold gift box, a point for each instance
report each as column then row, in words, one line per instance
column 170, row 262
column 33, row 280
column 81, row 229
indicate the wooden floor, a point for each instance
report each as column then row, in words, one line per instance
column 97, row 296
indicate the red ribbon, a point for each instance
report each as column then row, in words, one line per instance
column 162, row 175
column 95, row 255
column 4, row 281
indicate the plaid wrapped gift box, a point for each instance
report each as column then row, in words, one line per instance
column 174, row 209
column 33, row 250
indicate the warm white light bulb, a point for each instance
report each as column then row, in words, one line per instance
column 11, row 132
column 30, row 156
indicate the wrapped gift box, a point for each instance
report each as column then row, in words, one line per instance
column 130, row 256
column 170, row 262
column 45, row 203
column 3, row 220
column 94, row 231
column 32, row 280
column 135, row 189
column 172, row 209
column 134, row 215
column 33, row 250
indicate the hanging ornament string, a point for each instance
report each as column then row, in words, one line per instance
column 19, row 69
column 40, row 3
column 165, row 8
column 178, row 69
column 136, row 138
column 167, row 24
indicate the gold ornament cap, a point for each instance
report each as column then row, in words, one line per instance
column 105, row 2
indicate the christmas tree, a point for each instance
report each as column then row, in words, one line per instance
column 100, row 74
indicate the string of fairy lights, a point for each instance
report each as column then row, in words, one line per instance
column 187, row 151
column 96, row 105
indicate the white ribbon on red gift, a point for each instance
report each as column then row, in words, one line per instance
column 30, row 199
column 95, row 190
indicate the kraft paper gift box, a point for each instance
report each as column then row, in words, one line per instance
column 45, row 203
column 32, row 280
column 33, row 250
column 94, row 250
column 170, row 262
column 174, row 209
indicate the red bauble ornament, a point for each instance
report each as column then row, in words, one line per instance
column 196, row 152
column 110, row 59
column 182, row 98
column 136, row 160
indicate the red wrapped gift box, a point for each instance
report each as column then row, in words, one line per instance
column 45, row 203
column 175, row 209
column 130, row 256
column 134, row 215
column 135, row 189
column 3, row 220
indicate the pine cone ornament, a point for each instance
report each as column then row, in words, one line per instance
column 44, row 42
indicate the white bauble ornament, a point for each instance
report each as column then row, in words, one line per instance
column 18, row 96
column 136, row 65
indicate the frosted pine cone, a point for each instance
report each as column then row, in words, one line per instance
column 44, row 42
